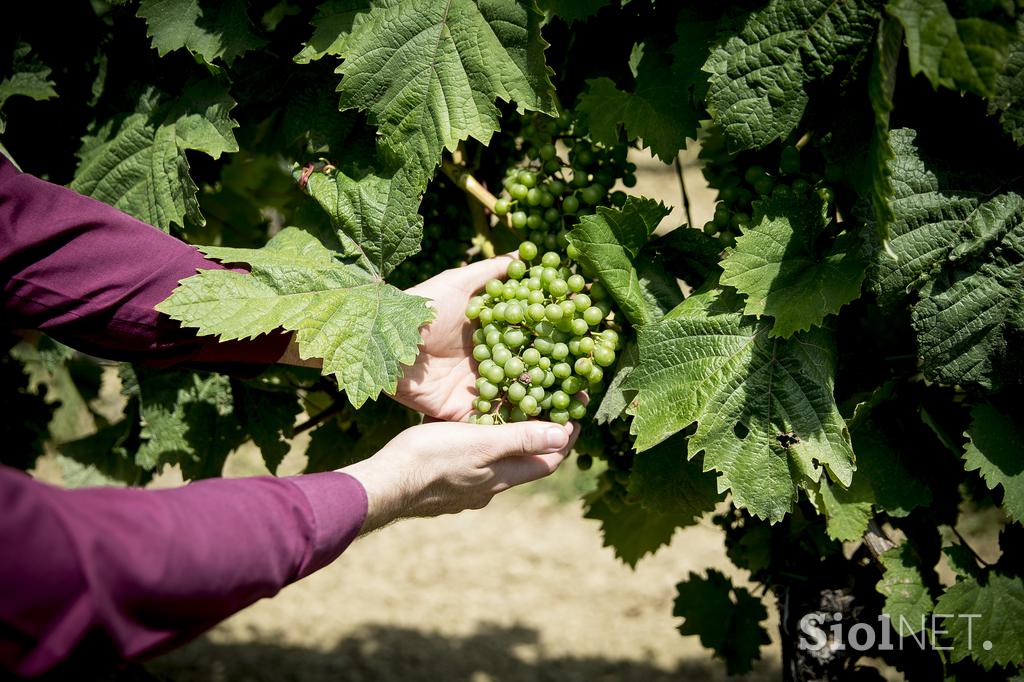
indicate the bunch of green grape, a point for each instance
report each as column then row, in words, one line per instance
column 447, row 236
column 543, row 337
column 743, row 179
column 544, row 196
column 613, row 444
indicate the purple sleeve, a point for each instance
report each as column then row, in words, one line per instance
column 98, row 575
column 89, row 275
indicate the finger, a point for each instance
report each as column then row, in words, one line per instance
column 526, row 438
column 475, row 275
column 518, row 470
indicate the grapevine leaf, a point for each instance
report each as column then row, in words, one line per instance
column 995, row 448
column 375, row 215
column 428, row 72
column 962, row 561
column 986, row 619
column 1008, row 98
column 187, row 419
column 332, row 24
column 106, row 455
column 777, row 265
column 766, row 417
column 939, row 214
column 881, row 85
column 971, row 329
column 211, row 30
column 364, row 329
column 340, row 442
column 24, row 432
column 137, row 162
column 907, row 600
column 632, row 530
column 687, row 254
column 28, row 78
column 757, row 90
column 616, row 397
column 573, row 10
column 725, row 617
column 652, row 112
column 268, row 417
column 608, row 243
column 895, row 489
column 847, row 510
column 960, row 54
column 665, row 481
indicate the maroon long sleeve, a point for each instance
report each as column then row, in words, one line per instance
column 115, row 574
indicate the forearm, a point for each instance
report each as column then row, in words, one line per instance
column 90, row 275
column 134, row 572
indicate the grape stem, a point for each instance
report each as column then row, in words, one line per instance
column 464, row 180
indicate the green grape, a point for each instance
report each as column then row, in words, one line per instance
column 528, row 405
column 481, row 352
column 595, row 375
column 518, row 191
column 570, row 205
column 486, row 315
column 572, row 252
column 577, row 410
column 535, row 222
column 517, row 415
column 537, row 391
column 485, row 420
column 560, row 351
column 495, row 375
column 604, row 356
column 593, row 315
column 514, row 367
column 572, row 385
column 533, row 197
column 536, row 375
column 587, row 345
column 618, row 198
column 514, row 313
column 493, row 337
column 583, row 366
column 545, row 362
column 583, row 461
column 611, row 337
column 547, row 152
column 579, row 326
column 478, row 336
column 552, row 216
column 516, row 392
column 576, row 283
column 558, row 288
column 536, row 311
column 488, row 391
column 592, row 194
column 494, row 287
column 528, row 179
column 553, row 312
column 517, row 269
column 500, row 354
column 560, row 399
column 551, row 260
column 501, row 206
column 483, row 405
column 473, row 310
column 789, row 161
column 531, row 356
column 519, row 220
column 514, row 338
column 582, row 302
column 629, row 180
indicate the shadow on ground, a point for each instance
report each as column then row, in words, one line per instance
column 506, row 654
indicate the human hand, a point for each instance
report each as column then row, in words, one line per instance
column 446, row 467
column 441, row 382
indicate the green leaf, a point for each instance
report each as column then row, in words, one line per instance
column 572, row 10
column 726, row 618
column 364, row 329
column 616, row 397
column 631, row 530
column 376, row 215
column 609, row 242
column 269, row 417
column 332, row 24
column 105, row 457
column 960, row 54
column 652, row 112
column 986, row 619
column 969, row 331
column 962, row 561
column 687, row 254
column 428, row 72
column 187, row 419
column 210, row 29
column 778, row 264
column 995, row 448
column 907, row 600
column 1008, row 98
column 136, row 162
column 28, row 78
column 757, row 90
column 356, row 435
column 895, row 489
column 881, row 86
column 751, row 396
column 847, row 510
column 664, row 480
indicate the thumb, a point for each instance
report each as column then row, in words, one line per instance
column 475, row 275
column 526, row 438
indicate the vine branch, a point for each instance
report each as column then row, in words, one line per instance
column 682, row 188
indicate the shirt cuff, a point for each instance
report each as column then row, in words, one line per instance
column 339, row 507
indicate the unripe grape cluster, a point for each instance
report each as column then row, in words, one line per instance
column 544, row 196
column 543, row 338
column 743, row 179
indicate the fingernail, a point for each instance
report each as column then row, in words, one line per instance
column 556, row 439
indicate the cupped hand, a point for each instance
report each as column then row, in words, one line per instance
column 441, row 384
column 446, row 467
